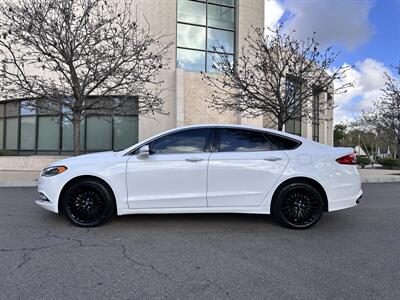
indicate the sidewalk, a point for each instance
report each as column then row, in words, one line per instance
column 29, row 178
column 379, row 175
column 18, row 178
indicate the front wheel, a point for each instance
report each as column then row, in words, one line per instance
column 298, row 206
column 88, row 203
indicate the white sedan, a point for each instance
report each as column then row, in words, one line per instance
column 206, row 169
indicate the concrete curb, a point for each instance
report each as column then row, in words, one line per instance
column 35, row 183
column 380, row 179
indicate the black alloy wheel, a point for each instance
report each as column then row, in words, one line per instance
column 298, row 206
column 88, row 203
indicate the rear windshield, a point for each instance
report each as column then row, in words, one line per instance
column 283, row 143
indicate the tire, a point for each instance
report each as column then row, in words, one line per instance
column 298, row 206
column 88, row 203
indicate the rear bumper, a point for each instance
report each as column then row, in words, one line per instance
column 345, row 203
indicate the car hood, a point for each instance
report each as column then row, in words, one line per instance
column 86, row 158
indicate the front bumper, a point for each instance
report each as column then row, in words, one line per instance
column 49, row 190
column 47, row 205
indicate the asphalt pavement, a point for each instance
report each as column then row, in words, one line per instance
column 353, row 253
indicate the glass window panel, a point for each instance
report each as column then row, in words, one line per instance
column 293, row 126
column 1, row 132
column 12, row 109
column 221, row 40
column 48, row 108
column 292, row 94
column 192, row 12
column 223, row 2
column 185, row 141
column 28, row 133
column 68, row 135
column 213, row 62
column 26, row 109
column 66, row 110
column 297, row 123
column 289, row 126
column 191, row 60
column 1, row 110
column 315, row 107
column 48, row 133
column 191, row 36
column 98, row 133
column 130, row 106
column 12, row 133
column 239, row 140
column 221, row 17
column 315, row 132
column 125, row 131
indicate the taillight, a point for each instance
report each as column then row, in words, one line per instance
column 350, row 159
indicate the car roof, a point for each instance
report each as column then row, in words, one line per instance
column 273, row 131
column 293, row 136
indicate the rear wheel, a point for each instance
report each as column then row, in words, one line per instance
column 298, row 206
column 88, row 203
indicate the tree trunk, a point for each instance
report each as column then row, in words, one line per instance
column 280, row 125
column 77, row 133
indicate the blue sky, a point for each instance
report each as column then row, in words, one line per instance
column 366, row 32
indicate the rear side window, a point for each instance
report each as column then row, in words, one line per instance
column 185, row 141
column 242, row 140
column 283, row 143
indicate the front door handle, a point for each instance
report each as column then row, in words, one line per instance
column 193, row 159
column 273, row 158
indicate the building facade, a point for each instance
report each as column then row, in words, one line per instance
column 199, row 29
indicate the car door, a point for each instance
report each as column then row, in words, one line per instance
column 243, row 168
column 174, row 174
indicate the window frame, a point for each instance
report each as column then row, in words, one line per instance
column 206, row 50
column 291, row 84
column 315, row 116
column 60, row 116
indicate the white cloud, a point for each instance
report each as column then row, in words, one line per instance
column 369, row 78
column 272, row 13
column 339, row 22
column 335, row 22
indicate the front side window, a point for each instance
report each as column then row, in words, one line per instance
column 204, row 29
column 185, row 141
column 241, row 140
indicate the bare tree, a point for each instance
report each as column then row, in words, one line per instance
column 63, row 52
column 388, row 108
column 276, row 76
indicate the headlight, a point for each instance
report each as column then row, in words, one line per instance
column 52, row 171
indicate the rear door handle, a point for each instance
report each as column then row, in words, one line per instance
column 273, row 158
column 193, row 159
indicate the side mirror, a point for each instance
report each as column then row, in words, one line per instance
column 144, row 152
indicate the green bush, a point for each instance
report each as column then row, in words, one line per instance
column 389, row 162
column 363, row 161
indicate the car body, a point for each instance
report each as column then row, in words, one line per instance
column 207, row 169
